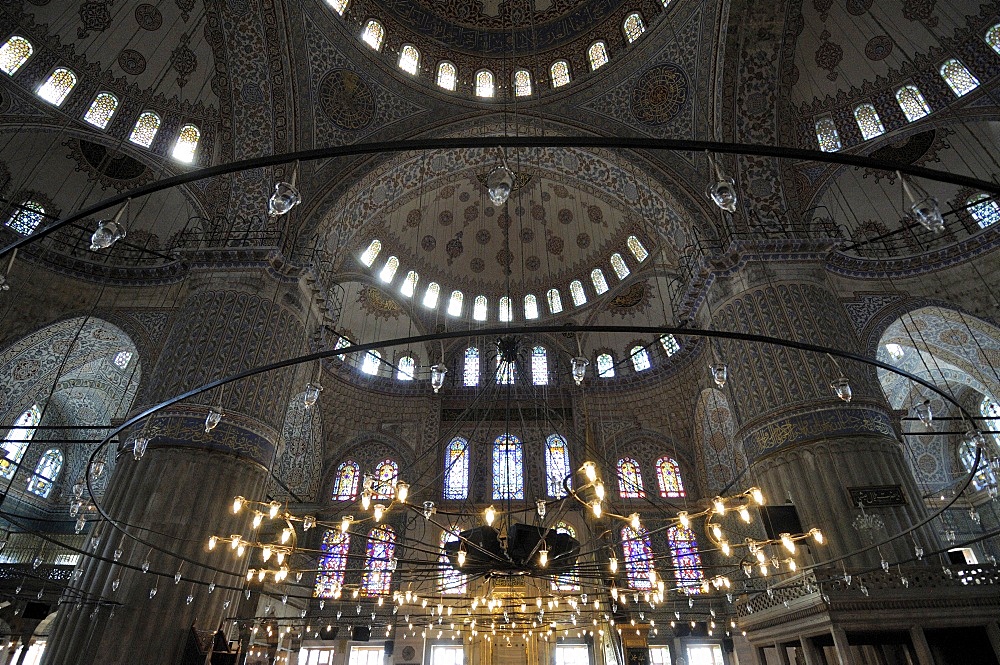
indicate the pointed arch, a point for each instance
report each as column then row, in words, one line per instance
column 332, row 563
column 345, row 481
column 630, row 479
column 456, row 469
column 385, row 477
column 668, row 475
column 379, row 555
column 597, row 55
column 638, row 558
column 57, row 86
column 374, row 34
column 557, row 466
column 687, row 561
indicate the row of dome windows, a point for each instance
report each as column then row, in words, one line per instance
column 506, row 310
column 484, row 84
column 911, row 101
column 56, row 88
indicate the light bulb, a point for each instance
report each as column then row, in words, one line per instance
column 578, row 367
column 719, row 505
column 590, row 470
column 238, row 504
column 684, row 519
column 786, row 540
column 366, row 500
column 817, row 535
column 490, row 514
column 717, row 531
column 379, row 512
column 272, row 509
column 139, row 447
column 212, row 420
column 311, row 394
column 614, row 592
column 108, row 233
column 725, row 548
column 279, row 556
column 842, row 388
column 260, row 575
column 285, row 198
column 928, row 213
column 265, row 552
column 234, row 541
column 461, row 557
column 286, row 533
column 719, row 373
column 543, row 557
column 792, row 566
column 240, row 549
column 499, row 184
column 595, row 506
column 437, row 376
column 599, row 490
column 744, row 512
column 757, row 495
column 402, row 491
column 613, row 564
column 212, row 542
column 258, row 517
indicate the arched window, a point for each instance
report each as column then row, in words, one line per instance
column 377, row 578
column 990, row 409
column 633, row 27
column 597, row 55
column 14, row 53
column 456, row 469
column 958, row 77
column 668, row 473
column 670, row 344
column 605, row 366
column 619, row 266
column 339, row 6
column 145, row 129
column 555, row 301
column 406, row 368
column 508, row 468
column 345, row 482
column 409, row 59
column 506, row 310
column 484, row 83
column 101, row 110
column 506, row 372
column 122, row 359
column 431, row 295
column 868, row 121
column 599, row 281
column 577, row 293
column 638, row 558
column 187, row 143
column 637, row 248
column 983, row 209
column 895, row 351
column 471, row 371
column 556, row 465
column 57, row 86
column 522, row 83
column 687, row 561
column 630, row 479
column 452, row 581
column 530, row 307
column 640, row 358
column 479, row 307
column 455, row 303
column 370, row 254
column 409, row 284
column 46, row 472
column 371, row 362
column 27, row 218
column 539, row 366
column 373, row 35
column 569, row 580
column 389, row 270
column 332, row 563
column 17, row 440
column 384, row 479
column 912, row 103
column 993, row 38
column 559, row 73
column 827, row 135
column 447, row 76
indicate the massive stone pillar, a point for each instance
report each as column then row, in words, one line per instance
column 805, row 442
column 177, row 495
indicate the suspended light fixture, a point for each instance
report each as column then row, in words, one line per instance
column 722, row 192
column 285, row 196
column 578, row 367
column 428, row 509
column 499, row 184
column 437, row 376
column 311, row 394
column 926, row 210
column 213, row 418
column 489, row 515
column 139, row 446
column 540, row 507
column 842, row 388
column 924, row 412
column 109, row 231
column 719, row 373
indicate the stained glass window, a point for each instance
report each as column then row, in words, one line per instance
column 506, row 310
column 101, row 110
column 345, row 482
column 633, row 27
column 373, row 35
column 377, row 578
column 599, row 281
column 409, row 59
column 912, row 102
column 409, row 284
column 371, row 362
column 990, row 409
column 455, row 303
column 187, row 143
column 339, row 6
column 597, row 55
column 370, row 254
column 605, row 365
column 958, row 77
column 638, row 558
column 630, row 479
column 508, row 468
column 577, row 293
column 484, row 83
column 687, row 561
column 27, row 218
column 17, row 440
column 619, row 266
column 539, row 366
column 827, row 135
column 992, row 38
column 145, row 129
column 640, row 358
column 668, row 473
column 556, row 465
column 637, row 248
column 389, row 270
column 479, row 308
column 452, row 581
column 14, row 53
column 122, row 359
column 471, row 371
column 570, row 580
column 868, row 121
column 984, row 210
column 559, row 73
column 530, row 307
column 332, row 563
column 57, row 86
column 431, row 295
column 386, row 475
column 555, row 301
column 670, row 344
column 506, row 372
column 46, row 472
column 456, row 469
column 522, row 83
column 406, row 368
column 447, row 76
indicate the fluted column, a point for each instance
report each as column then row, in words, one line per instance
column 177, row 495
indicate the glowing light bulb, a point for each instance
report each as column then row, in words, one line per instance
column 402, row 491
column 280, row 556
column 684, row 519
column 234, row 541
column 595, row 506
column 379, row 512
column 613, row 564
column 543, row 557
column 726, row 549
column 286, row 534
column 238, row 504
column 345, row 523
column 590, row 469
column 633, row 521
column 273, row 508
column 212, row 542
column 489, row 515
column 720, row 505
column 786, row 540
column 258, row 517
column 758, row 495
column 792, row 566
column 266, row 552
column 461, row 557
column 599, row 489
column 366, row 500
column 818, row 536
column 260, row 575
column 717, row 531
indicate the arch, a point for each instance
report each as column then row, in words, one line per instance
column 633, row 27
column 522, row 83
column 431, row 295
column 186, row 144
column 409, row 285
column 559, row 73
column 638, row 558
column 992, row 38
column 389, row 270
column 373, row 34
column 958, row 77
column 637, row 248
column 409, row 59
column 447, row 76
column 145, row 129
column 480, row 306
column 557, row 466
column 630, row 479
column 530, row 307
column 456, row 469
column 555, row 301
column 668, row 475
column 371, row 252
column 345, row 481
column 508, row 468
column 406, row 368
column 101, row 110
column 371, row 363
column 332, row 563
column 455, row 303
column 18, row 438
column 14, row 53
column 379, row 556
column 868, row 120
column 577, row 293
column 339, row 6
column 640, row 358
column 827, row 135
column 484, row 84
column 605, row 366
column 506, row 313
column 687, row 561
column 912, row 102
column 57, row 86
column 384, row 479
column 619, row 266
column 597, row 55
column 599, row 281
